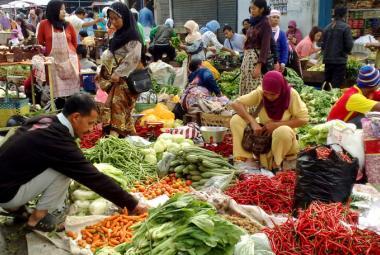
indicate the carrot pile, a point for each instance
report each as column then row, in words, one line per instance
column 112, row 231
column 273, row 195
column 323, row 229
column 169, row 186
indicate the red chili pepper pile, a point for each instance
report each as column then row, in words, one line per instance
column 224, row 148
column 323, row 153
column 147, row 131
column 319, row 230
column 89, row 140
column 273, row 195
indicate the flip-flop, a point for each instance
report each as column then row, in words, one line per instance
column 20, row 215
column 48, row 223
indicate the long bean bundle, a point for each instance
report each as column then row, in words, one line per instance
column 123, row 155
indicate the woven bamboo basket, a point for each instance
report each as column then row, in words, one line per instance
column 215, row 120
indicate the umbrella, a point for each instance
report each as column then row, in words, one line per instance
column 18, row 4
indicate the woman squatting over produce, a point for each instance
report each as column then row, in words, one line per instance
column 282, row 111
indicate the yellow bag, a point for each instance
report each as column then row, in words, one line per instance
column 212, row 69
column 163, row 112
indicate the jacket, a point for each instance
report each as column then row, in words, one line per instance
column 337, row 43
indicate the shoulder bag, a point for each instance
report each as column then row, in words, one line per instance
column 138, row 81
column 257, row 144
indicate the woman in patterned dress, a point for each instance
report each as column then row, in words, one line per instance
column 257, row 47
column 118, row 62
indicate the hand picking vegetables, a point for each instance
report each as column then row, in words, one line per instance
column 184, row 225
column 199, row 165
column 323, row 229
column 169, row 186
column 124, row 156
column 111, row 231
column 272, row 194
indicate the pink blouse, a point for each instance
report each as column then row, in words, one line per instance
column 305, row 48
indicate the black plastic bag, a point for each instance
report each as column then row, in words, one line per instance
column 326, row 180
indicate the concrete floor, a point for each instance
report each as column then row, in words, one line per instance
column 12, row 238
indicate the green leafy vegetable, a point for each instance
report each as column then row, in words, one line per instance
column 184, row 225
column 229, row 83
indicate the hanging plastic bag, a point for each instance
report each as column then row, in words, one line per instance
column 350, row 139
column 328, row 179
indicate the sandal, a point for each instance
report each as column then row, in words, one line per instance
column 47, row 224
column 20, row 215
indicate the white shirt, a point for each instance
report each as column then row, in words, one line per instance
column 76, row 22
column 64, row 121
column 209, row 39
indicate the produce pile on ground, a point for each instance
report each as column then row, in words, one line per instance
column 124, row 156
column 229, row 83
column 184, row 225
column 110, row 232
column 89, row 140
column 181, row 57
column 169, row 186
column 242, row 222
column 199, row 165
column 272, row 194
column 323, row 229
column 319, row 102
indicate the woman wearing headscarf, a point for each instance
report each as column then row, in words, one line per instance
column 60, row 41
column 257, row 47
column 279, row 37
column 293, row 33
column 210, row 39
column 5, row 23
column 160, row 37
column 280, row 111
column 194, row 43
column 24, row 32
column 118, row 62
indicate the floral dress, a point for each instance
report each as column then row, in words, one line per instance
column 120, row 101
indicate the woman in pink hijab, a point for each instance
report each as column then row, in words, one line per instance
column 294, row 34
column 280, row 111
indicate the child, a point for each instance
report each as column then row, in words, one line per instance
column 84, row 62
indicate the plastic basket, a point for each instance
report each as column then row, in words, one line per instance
column 12, row 106
column 144, row 106
column 215, row 120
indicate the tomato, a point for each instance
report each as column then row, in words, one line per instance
column 189, row 182
column 141, row 188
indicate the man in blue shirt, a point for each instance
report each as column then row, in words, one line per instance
column 146, row 18
column 233, row 40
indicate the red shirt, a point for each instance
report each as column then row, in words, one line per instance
column 352, row 103
column 45, row 36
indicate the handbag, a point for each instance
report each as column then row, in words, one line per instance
column 138, row 81
column 269, row 65
column 257, row 144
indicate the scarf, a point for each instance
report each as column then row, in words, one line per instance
column 52, row 14
column 275, row 82
column 212, row 26
column 129, row 30
column 255, row 20
column 194, row 34
column 276, row 33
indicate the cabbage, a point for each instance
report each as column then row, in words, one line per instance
column 165, row 136
column 159, row 146
column 107, row 251
column 148, row 151
column 185, row 144
column 178, row 138
column 84, row 195
column 151, row 158
column 174, row 148
column 99, row 206
column 80, row 208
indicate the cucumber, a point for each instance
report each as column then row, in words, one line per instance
column 210, row 174
column 186, row 170
column 179, row 169
column 195, row 173
column 202, row 182
column 192, row 167
column 210, row 164
column 217, row 161
column 196, row 177
column 192, row 158
column 175, row 163
column 204, row 169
